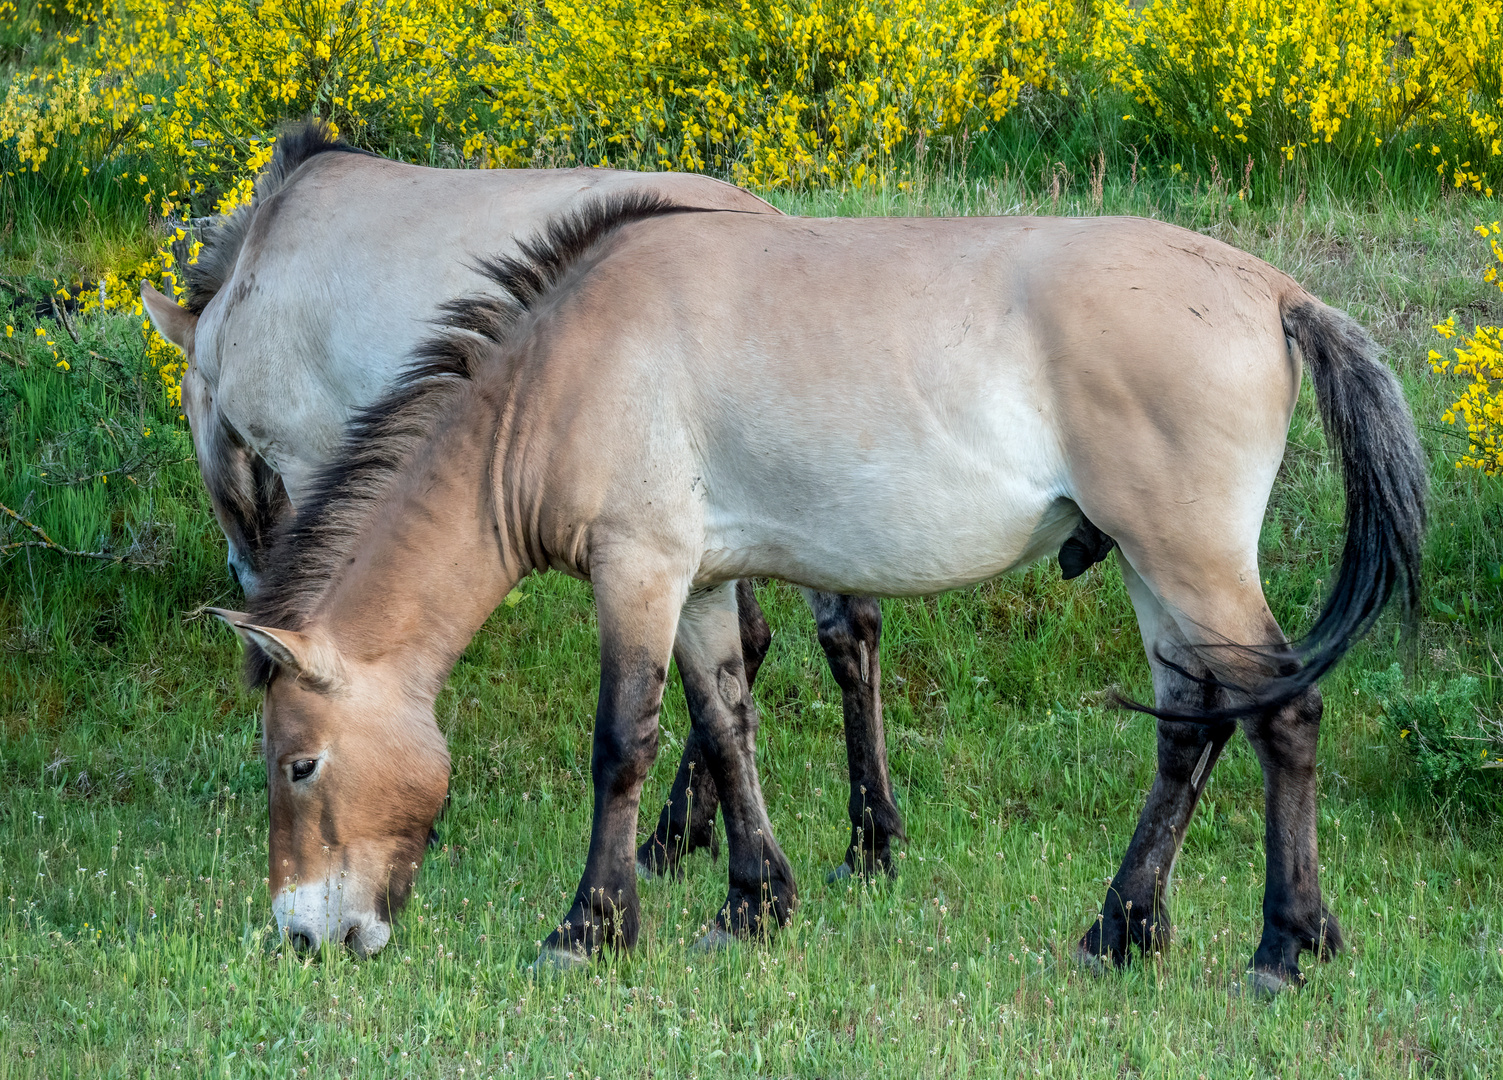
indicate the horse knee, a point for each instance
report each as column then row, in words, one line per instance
column 626, row 724
column 622, row 760
column 1288, row 736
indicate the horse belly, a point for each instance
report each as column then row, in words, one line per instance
column 937, row 507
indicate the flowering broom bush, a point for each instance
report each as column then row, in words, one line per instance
column 1479, row 359
column 773, row 93
column 770, row 92
column 1270, row 79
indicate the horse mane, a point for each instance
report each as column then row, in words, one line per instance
column 546, row 259
column 313, row 546
column 224, row 235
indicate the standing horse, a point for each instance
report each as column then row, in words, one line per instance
column 305, row 306
column 889, row 407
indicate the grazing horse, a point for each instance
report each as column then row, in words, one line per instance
column 673, row 400
column 306, row 305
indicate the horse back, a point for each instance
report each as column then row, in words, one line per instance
column 900, row 406
column 342, row 272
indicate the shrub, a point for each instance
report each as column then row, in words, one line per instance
column 1480, row 359
column 770, row 92
column 1454, row 753
column 1333, row 80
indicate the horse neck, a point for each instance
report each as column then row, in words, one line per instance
column 431, row 565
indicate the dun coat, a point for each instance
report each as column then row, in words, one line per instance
column 891, row 407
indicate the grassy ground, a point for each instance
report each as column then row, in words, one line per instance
column 135, row 936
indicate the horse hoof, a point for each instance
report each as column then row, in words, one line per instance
column 556, row 961
column 714, row 941
column 1259, row 985
column 885, row 872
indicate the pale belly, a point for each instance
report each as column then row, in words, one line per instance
column 929, row 509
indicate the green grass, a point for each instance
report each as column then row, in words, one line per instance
column 136, row 940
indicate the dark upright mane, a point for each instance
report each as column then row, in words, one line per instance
column 346, row 494
column 312, row 545
column 544, row 261
column 223, row 236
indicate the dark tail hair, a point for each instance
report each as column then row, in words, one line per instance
column 1384, row 473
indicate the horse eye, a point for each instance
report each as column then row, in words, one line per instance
column 301, row 770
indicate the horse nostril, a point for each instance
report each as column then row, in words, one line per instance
column 352, row 939
column 235, row 574
column 301, row 942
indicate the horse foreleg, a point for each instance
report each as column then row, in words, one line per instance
column 708, row 650
column 638, row 612
column 247, row 495
column 850, row 632
column 687, row 822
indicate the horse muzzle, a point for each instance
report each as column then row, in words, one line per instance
column 326, row 911
column 243, row 571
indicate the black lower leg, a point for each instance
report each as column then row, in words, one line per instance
column 1136, row 909
column 604, row 911
column 1295, row 919
column 850, row 632
column 762, row 891
column 687, row 823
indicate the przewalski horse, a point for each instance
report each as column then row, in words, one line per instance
column 889, row 407
column 307, row 304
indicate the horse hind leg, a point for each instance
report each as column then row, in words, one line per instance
column 1284, row 737
column 708, row 649
column 1135, row 913
column 850, row 632
column 1295, row 918
column 687, row 823
column 1241, row 648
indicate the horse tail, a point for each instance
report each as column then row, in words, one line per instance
column 1383, row 470
column 1384, row 474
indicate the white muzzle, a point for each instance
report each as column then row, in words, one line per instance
column 329, row 910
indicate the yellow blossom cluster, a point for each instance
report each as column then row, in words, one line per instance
column 210, row 81
column 770, row 92
column 121, row 292
column 1268, row 79
column 1479, row 359
column 42, row 112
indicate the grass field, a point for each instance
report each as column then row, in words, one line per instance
column 136, row 937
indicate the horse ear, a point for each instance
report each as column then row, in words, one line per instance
column 310, row 658
column 174, row 323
